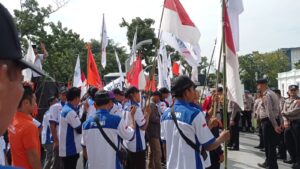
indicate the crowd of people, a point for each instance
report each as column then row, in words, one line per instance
column 133, row 129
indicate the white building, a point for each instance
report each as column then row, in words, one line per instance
column 288, row 78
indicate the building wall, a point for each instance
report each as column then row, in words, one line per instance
column 288, row 78
column 295, row 56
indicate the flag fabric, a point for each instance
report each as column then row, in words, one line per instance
column 135, row 73
column 120, row 67
column 29, row 57
column 235, row 8
column 77, row 82
column 84, row 86
column 117, row 83
column 93, row 77
column 104, row 43
column 164, row 79
column 176, row 21
column 175, row 68
column 194, row 76
column 133, row 49
column 232, row 65
column 151, row 84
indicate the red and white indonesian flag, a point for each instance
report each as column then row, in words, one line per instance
column 176, row 21
column 232, row 65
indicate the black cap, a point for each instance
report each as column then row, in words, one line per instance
column 293, row 87
column 262, row 81
column 10, row 48
column 164, row 90
column 181, row 83
column 131, row 90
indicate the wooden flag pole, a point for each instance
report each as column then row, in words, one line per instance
column 225, row 121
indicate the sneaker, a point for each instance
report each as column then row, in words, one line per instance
column 289, row 161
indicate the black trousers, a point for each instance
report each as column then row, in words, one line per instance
column 70, row 162
column 290, row 143
column 260, row 135
column 136, row 160
column 281, row 146
column 296, row 133
column 270, row 142
column 246, row 120
column 235, row 133
column 215, row 154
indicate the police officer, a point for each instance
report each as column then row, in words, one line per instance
column 234, row 111
column 192, row 124
column 270, row 123
column 291, row 116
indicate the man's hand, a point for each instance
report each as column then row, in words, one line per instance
column 225, row 135
column 286, row 124
column 132, row 111
column 221, row 160
column 55, row 145
column 278, row 130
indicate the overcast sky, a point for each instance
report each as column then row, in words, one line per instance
column 265, row 25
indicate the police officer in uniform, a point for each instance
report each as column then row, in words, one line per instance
column 270, row 123
column 291, row 116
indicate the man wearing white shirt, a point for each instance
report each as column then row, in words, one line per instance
column 54, row 116
column 193, row 125
column 93, row 142
column 39, row 60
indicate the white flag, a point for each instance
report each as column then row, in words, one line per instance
column 117, row 83
column 133, row 49
column 194, row 76
column 29, row 57
column 77, row 82
column 104, row 43
column 163, row 68
column 120, row 68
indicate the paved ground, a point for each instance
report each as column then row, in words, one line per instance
column 246, row 158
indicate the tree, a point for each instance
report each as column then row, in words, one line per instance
column 256, row 65
column 144, row 32
column 63, row 44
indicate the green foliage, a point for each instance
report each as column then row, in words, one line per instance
column 62, row 44
column 144, row 32
column 258, row 65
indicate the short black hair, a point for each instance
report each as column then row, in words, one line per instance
column 27, row 94
column 102, row 98
column 156, row 93
column 164, row 90
column 92, row 91
column 130, row 91
column 181, row 84
column 117, row 91
column 220, row 89
column 51, row 99
column 73, row 93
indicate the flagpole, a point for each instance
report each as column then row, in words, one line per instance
column 225, row 121
column 207, row 73
column 152, row 71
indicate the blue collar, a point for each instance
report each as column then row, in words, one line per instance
column 180, row 102
column 134, row 103
column 72, row 107
column 102, row 111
